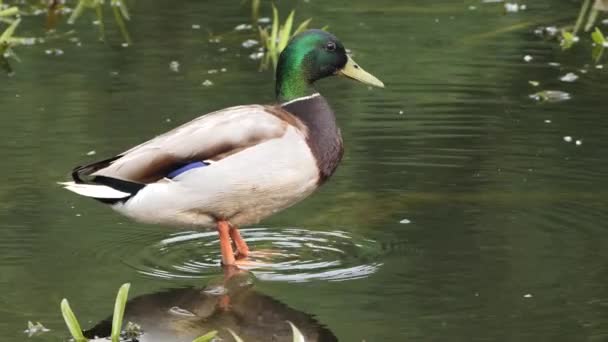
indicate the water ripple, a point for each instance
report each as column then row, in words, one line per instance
column 290, row 255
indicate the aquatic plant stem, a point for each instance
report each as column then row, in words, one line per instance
column 121, row 24
column 119, row 311
column 581, row 16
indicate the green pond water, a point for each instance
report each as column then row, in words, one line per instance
column 459, row 212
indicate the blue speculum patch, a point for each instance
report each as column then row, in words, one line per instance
column 185, row 168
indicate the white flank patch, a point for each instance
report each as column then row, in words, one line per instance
column 96, row 191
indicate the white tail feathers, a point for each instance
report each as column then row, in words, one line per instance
column 95, row 191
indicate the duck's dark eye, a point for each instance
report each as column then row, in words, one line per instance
column 331, row 46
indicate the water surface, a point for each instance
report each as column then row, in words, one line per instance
column 506, row 221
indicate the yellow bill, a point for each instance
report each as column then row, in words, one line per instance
column 354, row 71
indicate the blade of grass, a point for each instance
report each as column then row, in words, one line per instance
column 123, row 8
column 77, row 12
column 274, row 32
column 581, row 16
column 591, row 20
column 286, row 32
column 121, row 24
column 71, row 321
column 207, row 337
column 9, row 11
column 102, row 29
column 255, row 10
column 303, row 26
column 119, row 311
column 8, row 33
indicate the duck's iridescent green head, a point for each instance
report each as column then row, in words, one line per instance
column 311, row 56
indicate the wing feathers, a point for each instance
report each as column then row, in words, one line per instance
column 210, row 137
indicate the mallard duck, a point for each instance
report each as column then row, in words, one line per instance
column 238, row 165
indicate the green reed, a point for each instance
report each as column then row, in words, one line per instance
column 275, row 38
column 119, row 309
column 119, row 9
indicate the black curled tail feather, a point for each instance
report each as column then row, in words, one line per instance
column 86, row 170
column 82, row 175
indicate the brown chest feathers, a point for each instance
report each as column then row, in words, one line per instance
column 324, row 138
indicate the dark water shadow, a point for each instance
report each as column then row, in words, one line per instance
column 226, row 303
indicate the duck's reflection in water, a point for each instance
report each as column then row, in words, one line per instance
column 229, row 303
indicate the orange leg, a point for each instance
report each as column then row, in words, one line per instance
column 223, row 229
column 241, row 245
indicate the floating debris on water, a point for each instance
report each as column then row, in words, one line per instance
column 223, row 69
column 256, row 55
column 243, row 27
column 472, row 8
column 578, row 142
column 569, row 77
column 599, row 66
column 125, row 45
column 568, row 138
column 400, row 112
column 551, row 96
column 207, row 83
column 547, row 121
column 514, row 8
column 528, row 295
column 264, row 20
column 405, row 221
column 548, row 31
column 222, row 49
column 54, row 52
column 212, row 71
column 528, row 58
column 35, row 329
column 174, row 66
column 215, row 40
column 91, row 153
column 534, row 83
column 196, row 26
column 554, row 64
column 249, row 43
